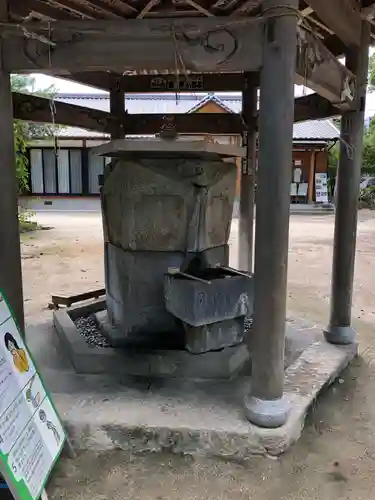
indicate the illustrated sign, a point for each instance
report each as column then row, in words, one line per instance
column 321, row 188
column 31, row 434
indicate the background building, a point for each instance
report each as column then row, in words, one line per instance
column 65, row 167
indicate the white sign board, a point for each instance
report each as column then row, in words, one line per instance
column 321, row 188
column 31, row 434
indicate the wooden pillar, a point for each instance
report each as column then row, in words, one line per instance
column 247, row 180
column 10, row 252
column 339, row 330
column 310, row 193
column 266, row 405
column 117, row 106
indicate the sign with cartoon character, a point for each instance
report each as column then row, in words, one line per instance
column 31, row 434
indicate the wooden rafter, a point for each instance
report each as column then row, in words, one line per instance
column 245, row 6
column 121, row 6
column 146, row 9
column 368, row 11
column 313, row 20
column 199, row 7
column 341, row 16
column 224, row 4
column 102, row 9
column 93, row 8
column 72, row 8
column 22, row 8
column 165, row 13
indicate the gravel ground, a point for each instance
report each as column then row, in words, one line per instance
column 88, row 327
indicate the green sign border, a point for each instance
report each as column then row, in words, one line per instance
column 19, row 488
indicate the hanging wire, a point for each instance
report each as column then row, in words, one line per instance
column 52, row 105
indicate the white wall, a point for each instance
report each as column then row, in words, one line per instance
column 61, row 204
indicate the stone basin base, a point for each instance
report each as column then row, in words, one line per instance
column 207, row 417
column 129, row 361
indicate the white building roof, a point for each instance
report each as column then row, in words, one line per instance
column 165, row 103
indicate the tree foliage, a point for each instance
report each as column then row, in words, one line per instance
column 371, row 73
column 368, row 162
column 26, row 131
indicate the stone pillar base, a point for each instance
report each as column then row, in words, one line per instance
column 340, row 335
column 269, row 414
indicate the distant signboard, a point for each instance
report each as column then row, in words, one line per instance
column 178, row 82
column 31, row 434
column 321, row 188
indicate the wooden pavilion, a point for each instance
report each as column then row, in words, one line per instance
column 125, row 46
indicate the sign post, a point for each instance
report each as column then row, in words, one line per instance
column 31, row 434
column 321, row 188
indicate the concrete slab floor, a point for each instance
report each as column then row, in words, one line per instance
column 205, row 418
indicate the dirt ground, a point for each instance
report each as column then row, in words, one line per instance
column 334, row 459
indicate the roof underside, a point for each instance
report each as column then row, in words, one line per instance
column 20, row 10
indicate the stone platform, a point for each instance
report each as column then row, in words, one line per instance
column 103, row 412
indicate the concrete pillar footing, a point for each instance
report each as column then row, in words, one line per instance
column 340, row 335
column 270, row 414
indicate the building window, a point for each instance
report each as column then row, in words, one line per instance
column 36, row 171
column 76, row 171
column 96, row 168
column 56, row 172
column 63, row 173
column 49, row 171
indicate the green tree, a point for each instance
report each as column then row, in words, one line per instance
column 25, row 131
column 371, row 75
column 368, row 162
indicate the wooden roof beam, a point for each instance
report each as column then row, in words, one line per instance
column 368, row 10
column 98, row 79
column 105, row 9
column 199, row 7
column 22, row 8
column 319, row 70
column 341, row 16
column 146, row 9
column 163, row 83
column 121, row 46
column 313, row 107
column 33, row 108
column 92, row 9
